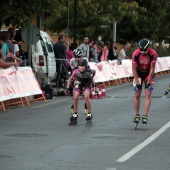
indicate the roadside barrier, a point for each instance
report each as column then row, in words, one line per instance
column 16, row 86
column 111, row 73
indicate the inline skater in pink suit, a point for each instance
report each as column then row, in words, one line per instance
column 83, row 77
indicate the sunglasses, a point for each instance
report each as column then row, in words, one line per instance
column 143, row 50
column 77, row 57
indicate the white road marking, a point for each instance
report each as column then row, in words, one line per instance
column 46, row 104
column 113, row 96
column 143, row 144
column 130, row 97
column 163, row 97
column 111, row 169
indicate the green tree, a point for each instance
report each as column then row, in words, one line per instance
column 20, row 13
column 152, row 23
column 93, row 17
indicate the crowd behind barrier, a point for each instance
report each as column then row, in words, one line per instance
column 23, row 83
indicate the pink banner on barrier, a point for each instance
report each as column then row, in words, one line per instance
column 18, row 83
column 110, row 70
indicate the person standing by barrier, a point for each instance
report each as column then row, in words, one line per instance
column 112, row 51
column 70, row 55
column 60, row 51
column 105, row 51
column 123, row 54
column 4, row 64
column 85, row 47
column 143, row 69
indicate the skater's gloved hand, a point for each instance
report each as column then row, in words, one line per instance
column 67, row 91
column 137, row 87
column 149, row 86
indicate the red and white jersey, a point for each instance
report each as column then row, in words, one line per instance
column 144, row 61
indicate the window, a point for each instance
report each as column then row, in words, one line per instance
column 48, row 44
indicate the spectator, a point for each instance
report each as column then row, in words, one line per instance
column 99, row 51
column 105, row 51
column 70, row 55
column 124, row 51
column 112, row 52
column 3, row 64
column 60, row 51
column 85, row 47
column 94, row 53
column 4, row 36
column 91, row 51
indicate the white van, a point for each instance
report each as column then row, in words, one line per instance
column 43, row 56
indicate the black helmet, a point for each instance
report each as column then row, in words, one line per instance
column 144, row 44
column 82, row 62
column 78, row 52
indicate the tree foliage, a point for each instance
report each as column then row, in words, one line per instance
column 135, row 18
column 20, row 13
column 93, row 17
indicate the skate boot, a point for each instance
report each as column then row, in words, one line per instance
column 167, row 91
column 144, row 121
column 85, row 109
column 136, row 120
column 73, row 119
column 72, row 109
column 89, row 119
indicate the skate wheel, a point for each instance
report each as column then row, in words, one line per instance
column 73, row 123
column 135, row 127
column 88, row 123
column 144, row 126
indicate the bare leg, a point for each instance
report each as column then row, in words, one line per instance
column 87, row 99
column 76, row 98
column 137, row 102
column 147, row 101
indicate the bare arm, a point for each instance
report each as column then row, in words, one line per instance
column 5, row 65
column 135, row 74
column 152, row 71
column 69, row 81
column 14, row 57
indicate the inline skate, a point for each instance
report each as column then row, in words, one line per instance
column 73, row 119
column 167, row 91
column 144, row 121
column 89, row 119
column 136, row 121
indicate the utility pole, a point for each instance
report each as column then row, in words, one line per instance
column 114, row 31
column 75, row 22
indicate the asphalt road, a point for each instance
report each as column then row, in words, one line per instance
column 39, row 138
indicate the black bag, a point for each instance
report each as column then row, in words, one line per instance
column 48, row 91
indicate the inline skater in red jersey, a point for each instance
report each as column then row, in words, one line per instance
column 143, row 68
